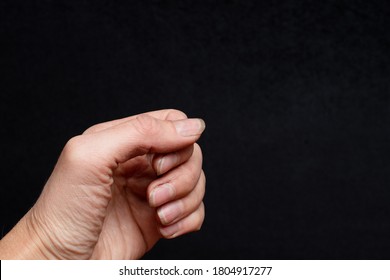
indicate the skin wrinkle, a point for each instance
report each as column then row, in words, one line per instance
column 93, row 206
column 30, row 226
column 114, row 189
column 46, row 240
column 122, row 236
column 68, row 246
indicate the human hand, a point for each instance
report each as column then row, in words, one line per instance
column 116, row 190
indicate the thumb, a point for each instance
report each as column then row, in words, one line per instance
column 142, row 135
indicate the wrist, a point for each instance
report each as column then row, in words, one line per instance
column 23, row 242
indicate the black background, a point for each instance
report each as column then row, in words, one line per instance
column 295, row 95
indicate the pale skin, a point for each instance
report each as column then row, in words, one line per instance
column 116, row 190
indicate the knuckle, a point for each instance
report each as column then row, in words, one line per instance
column 203, row 177
column 191, row 175
column 75, row 150
column 92, row 129
column 201, row 191
column 198, row 152
column 146, row 125
column 197, row 148
column 201, row 216
column 175, row 114
column 198, row 194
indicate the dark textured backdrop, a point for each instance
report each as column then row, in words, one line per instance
column 295, row 95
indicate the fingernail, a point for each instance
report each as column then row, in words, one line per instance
column 161, row 195
column 171, row 231
column 190, row 127
column 166, row 163
column 169, row 213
